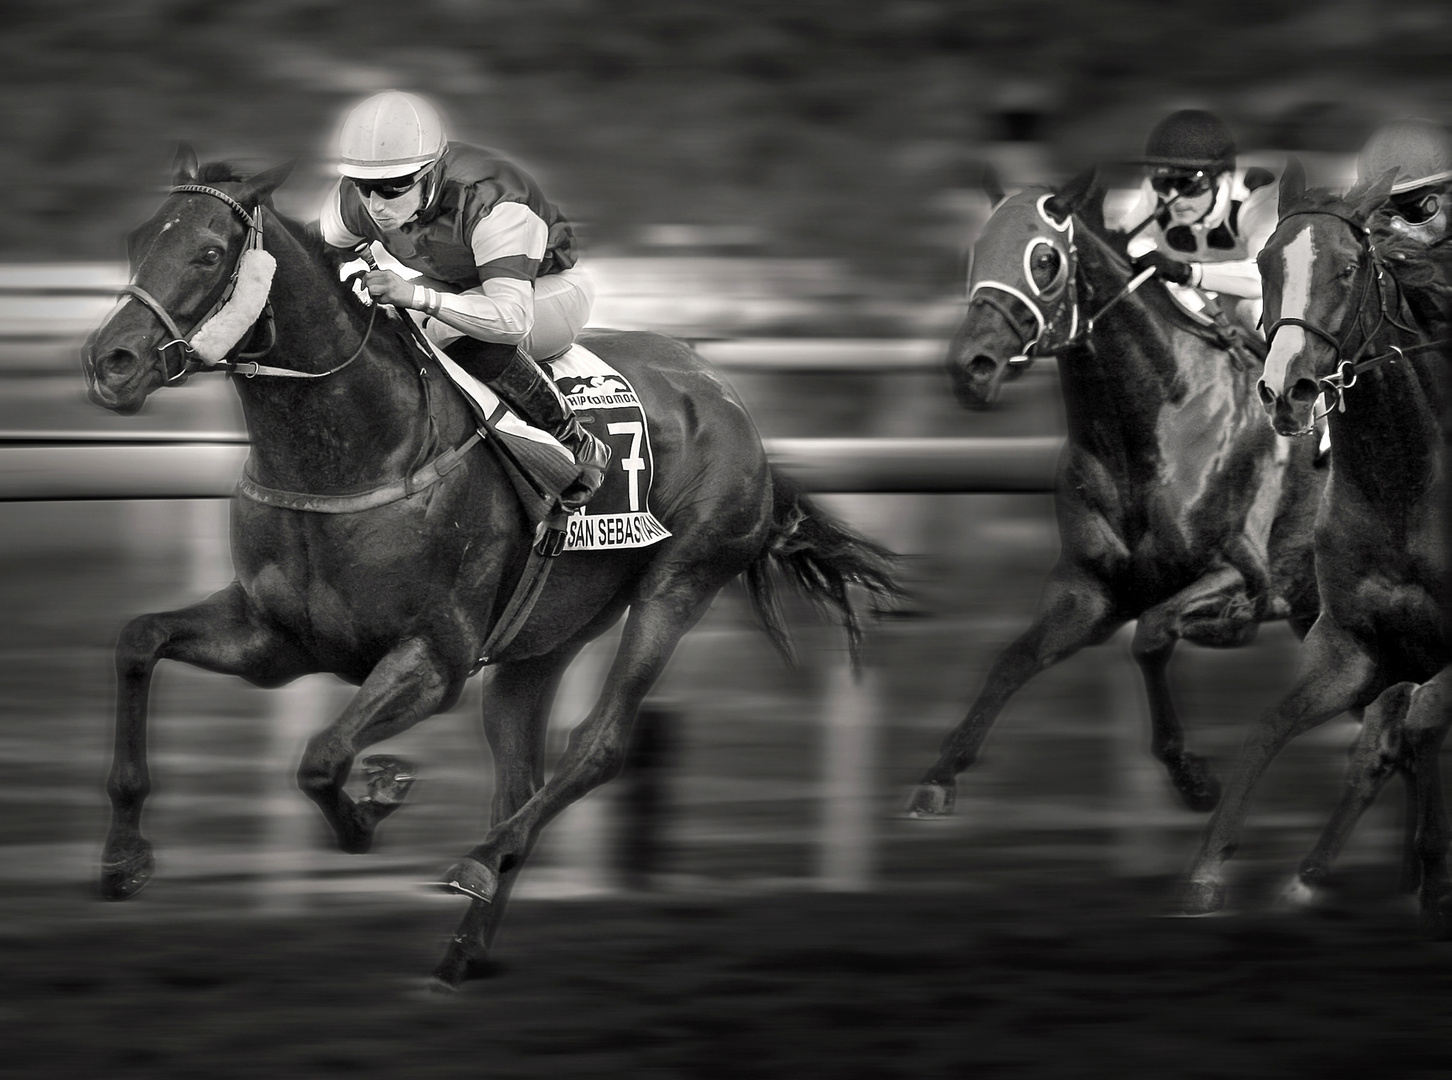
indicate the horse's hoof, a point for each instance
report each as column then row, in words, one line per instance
column 389, row 779
column 457, row 968
column 930, row 802
column 1197, row 785
column 1297, row 896
column 471, row 878
column 1201, row 898
column 121, row 879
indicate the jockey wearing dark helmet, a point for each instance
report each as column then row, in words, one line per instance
column 1200, row 219
column 499, row 283
column 1420, row 152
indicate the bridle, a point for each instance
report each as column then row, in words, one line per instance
column 243, row 363
column 1349, row 368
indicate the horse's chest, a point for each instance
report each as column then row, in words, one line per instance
column 331, row 611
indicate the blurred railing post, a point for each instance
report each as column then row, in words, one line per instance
column 847, row 845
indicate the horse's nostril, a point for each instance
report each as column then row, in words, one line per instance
column 982, row 367
column 119, row 364
column 1267, row 396
column 1304, row 391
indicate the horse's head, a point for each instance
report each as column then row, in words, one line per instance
column 184, row 264
column 1320, row 271
column 1021, row 301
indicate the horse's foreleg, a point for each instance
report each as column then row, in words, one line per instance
column 517, row 704
column 1214, row 611
column 408, row 685
column 1334, row 675
column 1377, row 755
column 1076, row 611
column 598, row 745
column 218, row 634
column 1426, row 727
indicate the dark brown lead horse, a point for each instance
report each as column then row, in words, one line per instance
column 400, row 597
column 1343, row 324
column 1176, row 506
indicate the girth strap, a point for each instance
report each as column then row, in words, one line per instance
column 392, row 492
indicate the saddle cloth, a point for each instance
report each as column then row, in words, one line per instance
column 618, row 515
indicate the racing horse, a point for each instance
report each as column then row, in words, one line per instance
column 1343, row 322
column 398, row 546
column 1177, row 506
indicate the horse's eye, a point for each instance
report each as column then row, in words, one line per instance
column 1044, row 265
column 212, row 256
column 1349, row 271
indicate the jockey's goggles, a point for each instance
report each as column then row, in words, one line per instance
column 1418, row 210
column 390, row 187
column 1184, row 185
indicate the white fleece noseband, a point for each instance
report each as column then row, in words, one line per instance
column 219, row 335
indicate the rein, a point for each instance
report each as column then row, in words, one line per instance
column 1348, row 369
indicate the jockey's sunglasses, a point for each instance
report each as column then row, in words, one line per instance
column 1183, row 185
column 1418, row 210
column 390, row 187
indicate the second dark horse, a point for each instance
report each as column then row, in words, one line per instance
column 1177, row 505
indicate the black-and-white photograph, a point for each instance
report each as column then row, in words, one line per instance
column 668, row 540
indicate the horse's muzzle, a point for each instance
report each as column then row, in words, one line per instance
column 118, row 379
column 1292, row 414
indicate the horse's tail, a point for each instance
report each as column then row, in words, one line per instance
column 823, row 557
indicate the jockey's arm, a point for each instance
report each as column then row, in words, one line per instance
column 508, row 245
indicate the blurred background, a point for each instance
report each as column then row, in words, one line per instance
column 793, row 187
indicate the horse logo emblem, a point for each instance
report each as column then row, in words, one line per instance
column 599, row 384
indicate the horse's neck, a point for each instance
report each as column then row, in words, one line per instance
column 361, row 425
column 1388, row 440
column 1136, row 369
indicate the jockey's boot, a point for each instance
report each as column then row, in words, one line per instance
column 527, row 390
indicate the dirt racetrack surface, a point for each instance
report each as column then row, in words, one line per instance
column 1023, row 979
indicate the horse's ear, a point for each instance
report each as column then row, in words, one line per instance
column 1368, row 197
column 184, row 165
column 1293, row 185
column 260, row 187
column 992, row 185
column 1073, row 197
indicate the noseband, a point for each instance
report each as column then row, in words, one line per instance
column 189, row 363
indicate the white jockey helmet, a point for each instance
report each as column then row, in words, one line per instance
column 1419, row 150
column 391, row 134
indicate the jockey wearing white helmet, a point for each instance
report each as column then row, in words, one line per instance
column 1200, row 219
column 1420, row 152
column 499, row 283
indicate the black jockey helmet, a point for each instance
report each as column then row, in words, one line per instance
column 1191, row 140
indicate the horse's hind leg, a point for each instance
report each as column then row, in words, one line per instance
column 597, row 747
column 1215, row 611
column 218, row 634
column 410, row 684
column 517, row 703
column 1378, row 754
column 1076, row 611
